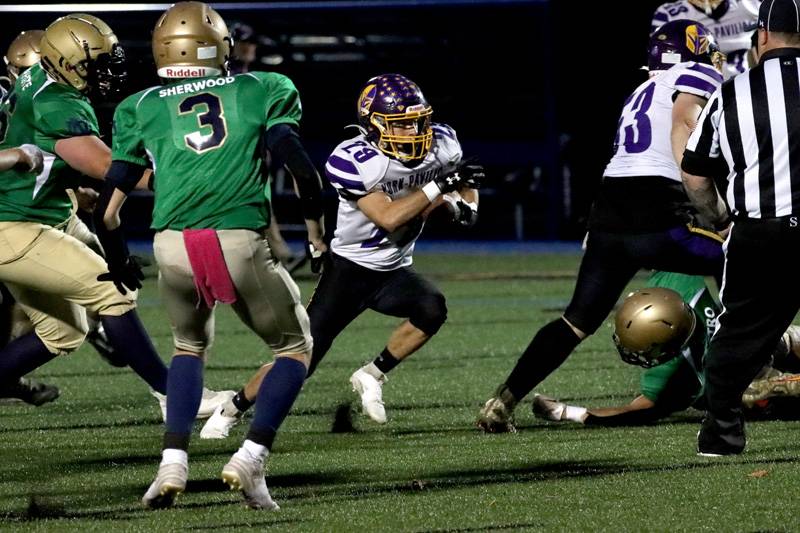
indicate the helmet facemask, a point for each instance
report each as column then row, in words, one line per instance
column 107, row 73
column 405, row 136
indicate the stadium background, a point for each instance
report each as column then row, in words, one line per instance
column 532, row 87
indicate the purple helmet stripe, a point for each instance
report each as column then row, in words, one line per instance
column 344, row 182
column 708, row 70
column 342, row 164
column 694, row 82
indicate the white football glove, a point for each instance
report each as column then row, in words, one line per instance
column 464, row 213
column 33, row 158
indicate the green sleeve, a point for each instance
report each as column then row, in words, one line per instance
column 282, row 100
column 128, row 142
column 62, row 118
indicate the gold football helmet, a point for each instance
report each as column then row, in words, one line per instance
column 652, row 326
column 23, row 52
column 80, row 50
column 191, row 40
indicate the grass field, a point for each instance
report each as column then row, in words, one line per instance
column 83, row 462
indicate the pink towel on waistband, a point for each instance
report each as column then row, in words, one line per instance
column 211, row 275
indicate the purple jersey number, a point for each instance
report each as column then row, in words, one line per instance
column 363, row 155
column 634, row 125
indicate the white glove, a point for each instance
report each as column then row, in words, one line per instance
column 464, row 213
column 33, row 157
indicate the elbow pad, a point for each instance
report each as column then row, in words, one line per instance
column 284, row 143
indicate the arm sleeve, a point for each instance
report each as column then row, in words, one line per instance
column 128, row 141
column 284, row 143
column 703, row 156
column 62, row 119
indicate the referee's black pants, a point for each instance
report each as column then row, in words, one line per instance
column 760, row 298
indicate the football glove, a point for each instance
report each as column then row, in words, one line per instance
column 464, row 213
column 469, row 173
column 316, row 256
column 126, row 275
column 124, row 270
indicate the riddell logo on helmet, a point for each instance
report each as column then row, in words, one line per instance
column 187, row 72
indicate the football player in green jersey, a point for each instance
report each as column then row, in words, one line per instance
column 51, row 274
column 24, row 52
column 202, row 129
column 665, row 328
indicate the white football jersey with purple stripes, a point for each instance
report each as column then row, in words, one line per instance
column 733, row 30
column 356, row 168
column 643, row 146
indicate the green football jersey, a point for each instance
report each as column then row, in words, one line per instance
column 202, row 136
column 41, row 111
column 694, row 292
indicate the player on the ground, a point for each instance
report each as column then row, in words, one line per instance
column 641, row 217
column 665, row 328
column 53, row 276
column 202, row 131
column 388, row 178
column 731, row 22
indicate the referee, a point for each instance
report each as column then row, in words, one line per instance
column 750, row 131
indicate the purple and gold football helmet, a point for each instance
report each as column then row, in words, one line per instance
column 396, row 117
column 683, row 40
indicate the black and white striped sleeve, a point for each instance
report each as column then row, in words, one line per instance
column 702, row 156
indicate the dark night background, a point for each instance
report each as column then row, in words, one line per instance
column 533, row 89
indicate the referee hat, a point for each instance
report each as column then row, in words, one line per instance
column 780, row 15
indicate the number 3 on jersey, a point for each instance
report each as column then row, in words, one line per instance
column 634, row 125
column 202, row 140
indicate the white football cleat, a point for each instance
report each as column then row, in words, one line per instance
column 210, row 401
column 170, row 481
column 219, row 425
column 247, row 475
column 371, row 391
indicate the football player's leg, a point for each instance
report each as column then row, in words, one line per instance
column 338, row 299
column 192, row 330
column 97, row 335
column 59, row 329
column 268, row 301
column 13, row 324
column 408, row 295
column 49, row 261
column 606, row 268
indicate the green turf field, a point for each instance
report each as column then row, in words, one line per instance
column 83, row 462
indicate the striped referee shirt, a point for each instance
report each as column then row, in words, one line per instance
column 750, row 130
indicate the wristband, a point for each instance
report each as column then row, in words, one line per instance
column 431, row 190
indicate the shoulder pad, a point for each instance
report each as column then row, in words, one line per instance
column 355, row 167
column 446, row 144
column 695, row 78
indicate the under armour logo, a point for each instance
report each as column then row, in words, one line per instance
column 455, row 178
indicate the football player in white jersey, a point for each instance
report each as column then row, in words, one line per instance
column 388, row 178
column 641, row 217
column 732, row 22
